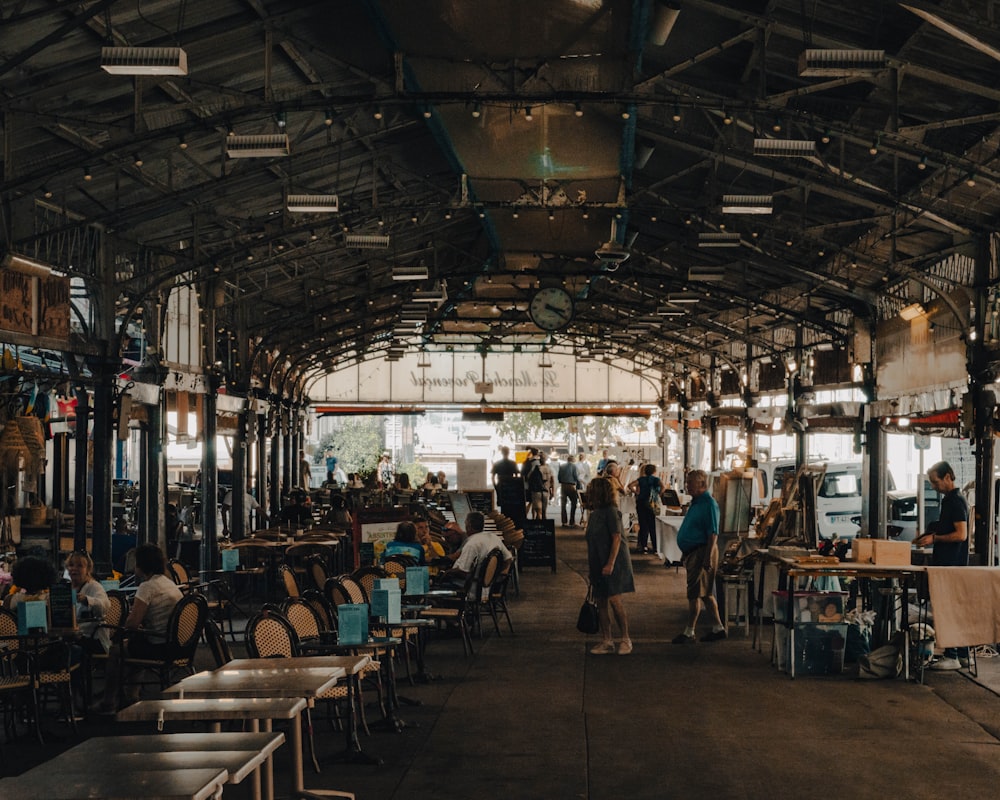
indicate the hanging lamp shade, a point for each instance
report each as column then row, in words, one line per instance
column 30, row 428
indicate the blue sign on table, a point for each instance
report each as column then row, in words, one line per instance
column 352, row 623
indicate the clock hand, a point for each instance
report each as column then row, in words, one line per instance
column 560, row 311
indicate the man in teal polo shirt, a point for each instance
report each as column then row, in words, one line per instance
column 698, row 540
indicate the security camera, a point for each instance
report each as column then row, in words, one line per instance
column 611, row 253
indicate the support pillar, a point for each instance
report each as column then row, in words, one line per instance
column 873, row 505
column 210, row 483
column 103, row 443
column 80, row 512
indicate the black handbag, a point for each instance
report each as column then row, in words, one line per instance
column 588, row 621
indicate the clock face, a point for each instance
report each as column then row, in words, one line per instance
column 551, row 308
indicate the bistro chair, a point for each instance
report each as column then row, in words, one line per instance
column 270, row 634
column 112, row 624
column 366, row 577
column 217, row 644
column 184, row 630
column 38, row 669
column 181, row 575
column 496, row 601
column 317, row 571
column 327, row 614
column 336, row 593
column 289, row 581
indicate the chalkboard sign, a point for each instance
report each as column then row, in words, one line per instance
column 481, row 501
column 539, row 546
column 510, row 496
column 62, row 606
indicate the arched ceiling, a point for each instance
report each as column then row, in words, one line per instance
column 415, row 115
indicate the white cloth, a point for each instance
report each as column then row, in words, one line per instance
column 160, row 594
column 91, row 615
column 966, row 604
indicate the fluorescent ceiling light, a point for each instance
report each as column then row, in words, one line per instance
column 367, row 241
column 747, row 204
column 718, row 240
column 912, row 311
column 706, row 274
column 436, row 295
column 313, row 203
column 832, row 63
column 268, row 145
column 684, row 298
column 788, row 148
column 402, row 272
column 144, row 60
column 670, row 311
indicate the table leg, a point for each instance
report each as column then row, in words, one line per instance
column 352, row 753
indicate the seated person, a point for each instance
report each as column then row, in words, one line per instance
column 32, row 577
column 146, row 625
column 338, row 514
column 434, row 555
column 405, row 544
column 354, row 481
column 295, row 511
column 430, row 484
column 475, row 549
column 454, row 538
column 442, row 481
column 91, row 600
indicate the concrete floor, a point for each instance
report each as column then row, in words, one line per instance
column 535, row 716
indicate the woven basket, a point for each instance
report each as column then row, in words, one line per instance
column 36, row 515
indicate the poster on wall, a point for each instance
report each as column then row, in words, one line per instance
column 372, row 531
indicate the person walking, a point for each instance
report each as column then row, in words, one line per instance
column 646, row 487
column 698, row 539
column 569, row 489
column 950, row 538
column 609, row 565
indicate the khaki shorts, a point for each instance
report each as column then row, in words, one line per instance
column 539, row 502
column 700, row 565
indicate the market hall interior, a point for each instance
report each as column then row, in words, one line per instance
column 534, row 715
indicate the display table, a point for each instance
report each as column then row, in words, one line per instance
column 793, row 568
column 667, row 526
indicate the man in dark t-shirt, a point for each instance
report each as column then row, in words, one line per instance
column 506, row 467
column 950, row 539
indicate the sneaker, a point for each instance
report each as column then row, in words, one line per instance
column 946, row 664
column 714, row 636
column 964, row 662
column 625, row 647
column 683, row 639
column 603, row 649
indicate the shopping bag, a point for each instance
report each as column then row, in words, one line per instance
column 587, row 621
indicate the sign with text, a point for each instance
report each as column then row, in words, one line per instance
column 539, row 546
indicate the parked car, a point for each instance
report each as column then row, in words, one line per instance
column 903, row 511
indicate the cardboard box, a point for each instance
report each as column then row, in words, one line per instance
column 884, row 552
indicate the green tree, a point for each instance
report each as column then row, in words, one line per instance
column 524, row 426
column 357, row 442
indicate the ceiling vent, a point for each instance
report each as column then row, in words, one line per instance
column 707, row 274
column 404, row 272
column 718, row 240
column 268, row 145
column 436, row 296
column 747, row 204
column 367, row 241
column 815, row 63
column 313, row 203
column 786, row 148
column 144, row 61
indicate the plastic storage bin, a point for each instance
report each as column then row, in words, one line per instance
column 819, row 648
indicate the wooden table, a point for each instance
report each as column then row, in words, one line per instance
column 218, row 709
column 797, row 568
column 240, row 754
column 103, row 784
